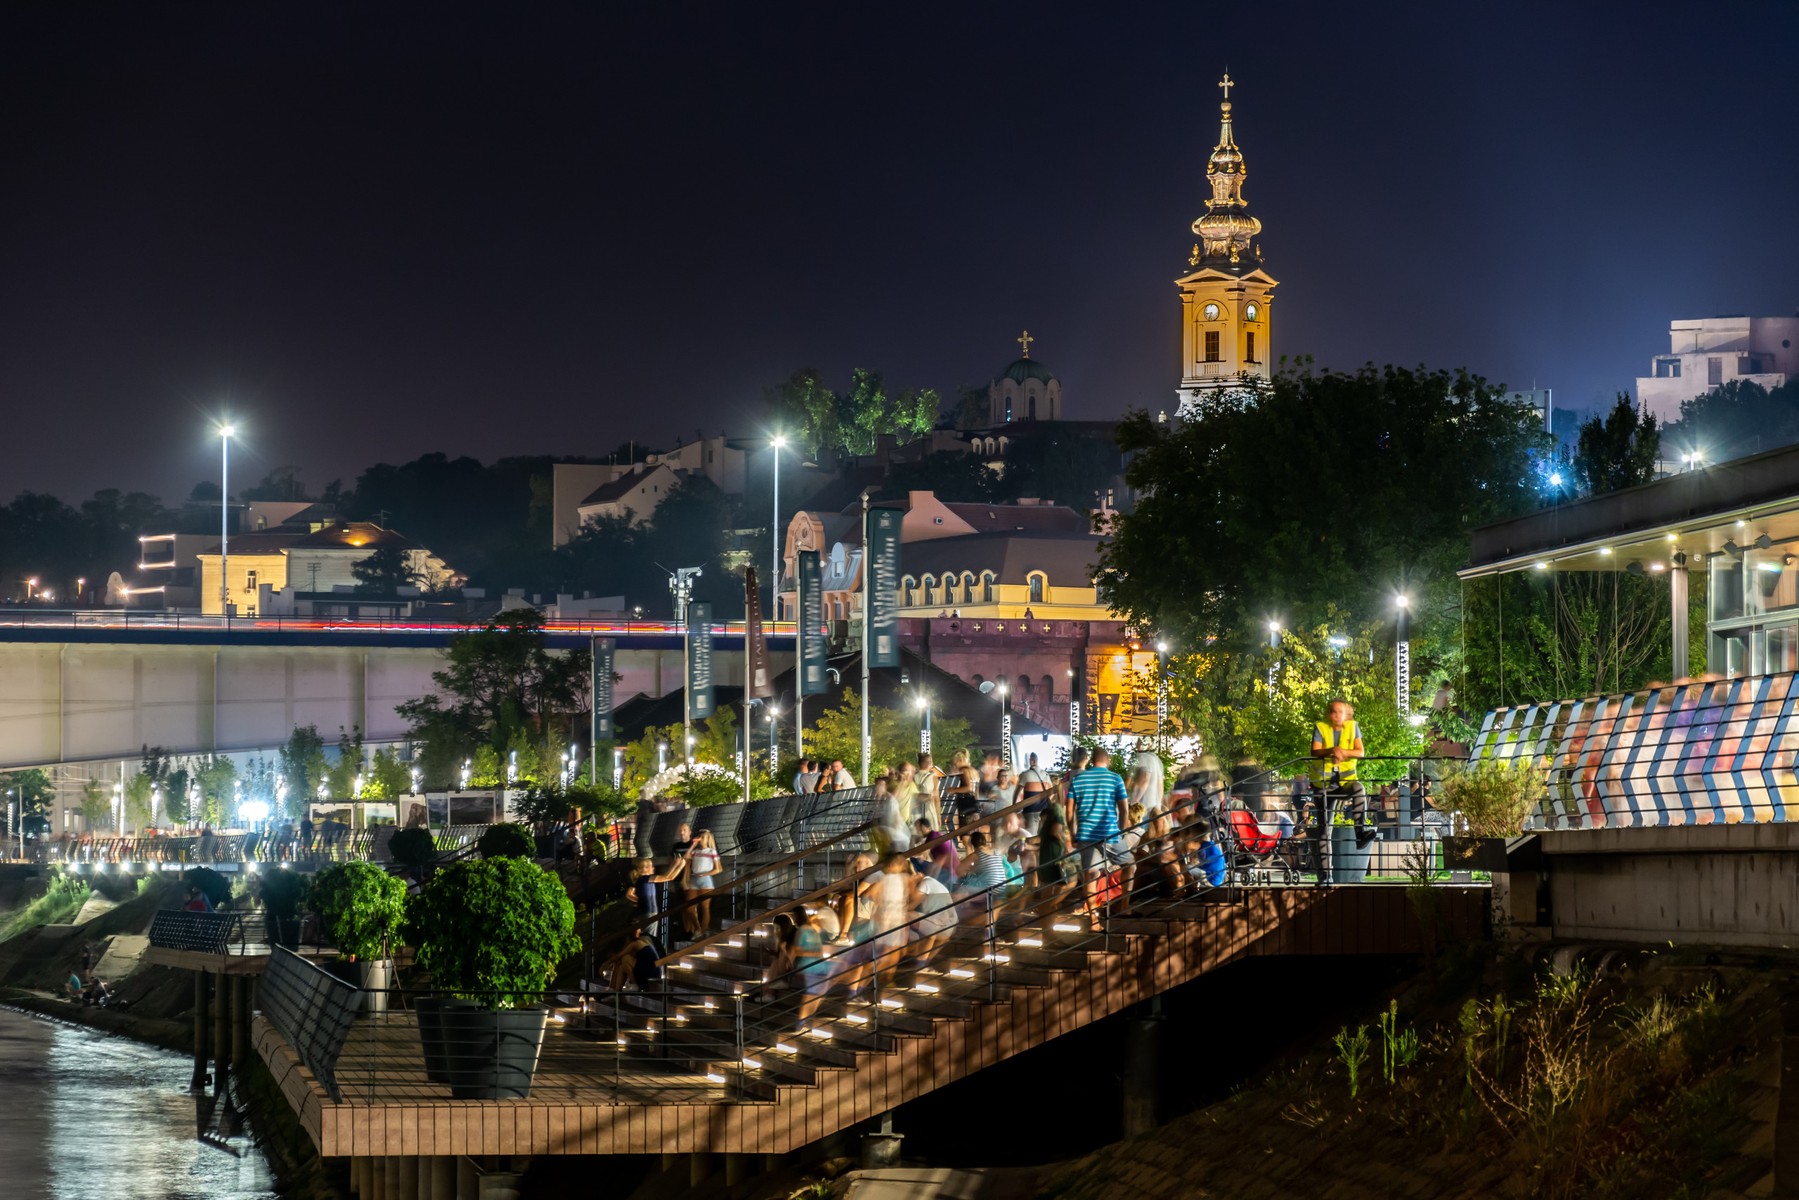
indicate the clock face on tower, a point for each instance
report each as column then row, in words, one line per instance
column 1211, row 311
column 1250, row 312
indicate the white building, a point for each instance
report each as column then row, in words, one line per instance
column 1712, row 351
column 581, row 491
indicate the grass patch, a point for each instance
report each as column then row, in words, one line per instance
column 57, row 906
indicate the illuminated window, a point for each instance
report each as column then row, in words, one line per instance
column 1037, row 589
column 1249, row 347
column 1251, row 312
column 250, row 581
column 1212, row 346
column 986, row 589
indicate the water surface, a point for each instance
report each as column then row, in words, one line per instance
column 86, row 1115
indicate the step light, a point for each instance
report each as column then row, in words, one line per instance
column 960, row 973
column 1034, row 943
column 714, row 1077
column 925, row 987
column 890, row 1002
column 784, row 1048
column 1065, row 928
column 852, row 1018
column 824, row 1035
column 752, row 1064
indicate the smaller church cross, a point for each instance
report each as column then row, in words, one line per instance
column 1025, row 341
column 1226, row 83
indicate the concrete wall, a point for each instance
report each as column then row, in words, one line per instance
column 76, row 702
column 1730, row 885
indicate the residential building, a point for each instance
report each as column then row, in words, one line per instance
column 309, row 561
column 1709, row 352
column 632, row 497
column 579, row 487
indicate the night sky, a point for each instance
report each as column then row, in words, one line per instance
column 372, row 231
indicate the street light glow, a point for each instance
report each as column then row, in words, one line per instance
column 921, row 702
column 1555, row 479
column 226, row 431
column 1161, row 647
column 1403, row 600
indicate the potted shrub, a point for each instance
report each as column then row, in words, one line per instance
column 1488, row 801
column 414, row 849
column 214, row 886
column 360, row 908
column 491, row 933
column 507, row 841
column 283, row 892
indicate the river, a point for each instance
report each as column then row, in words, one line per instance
column 85, row 1114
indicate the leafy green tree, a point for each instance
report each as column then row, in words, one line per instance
column 303, row 765
column 971, row 406
column 96, row 804
column 1735, row 420
column 360, row 907
column 508, row 840
column 1318, row 500
column 1618, row 450
column 495, row 681
column 493, row 930
column 386, row 777
column 31, row 788
column 139, row 811
column 176, row 785
column 822, row 420
column 384, row 572
column 341, row 776
column 836, row 733
column 217, row 778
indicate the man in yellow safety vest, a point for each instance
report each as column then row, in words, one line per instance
column 1336, row 745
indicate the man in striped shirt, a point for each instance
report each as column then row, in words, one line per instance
column 1099, row 801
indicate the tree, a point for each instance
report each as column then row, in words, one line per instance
column 1071, row 468
column 281, row 483
column 217, row 780
column 139, row 806
column 303, row 766
column 341, row 776
column 1320, row 499
column 497, row 680
column 387, row 777
column 972, row 406
column 1618, row 450
column 836, row 733
column 951, row 474
column 384, row 572
column 96, row 804
column 1738, row 419
column 822, row 420
column 32, row 789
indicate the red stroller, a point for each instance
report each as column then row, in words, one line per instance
column 1252, row 848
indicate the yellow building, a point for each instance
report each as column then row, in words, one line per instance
column 1226, row 296
column 305, row 559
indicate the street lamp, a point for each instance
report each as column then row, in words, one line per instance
column 225, row 432
column 924, row 729
column 774, row 741
column 1005, row 723
column 661, row 756
column 1161, row 689
column 415, row 780
column 30, row 585
column 1402, row 655
column 618, row 766
column 467, row 766
column 775, row 445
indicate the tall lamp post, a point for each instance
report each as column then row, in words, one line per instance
column 1005, row 723
column 1161, row 689
column 1402, row 656
column 775, row 445
column 774, row 740
column 225, row 432
column 924, row 728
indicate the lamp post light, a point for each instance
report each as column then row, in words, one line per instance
column 415, row 780
column 80, row 587
column 467, row 767
column 1161, row 689
column 1402, row 656
column 690, row 750
column 118, row 807
column 924, row 728
column 775, row 445
column 774, row 739
column 618, row 766
column 1005, row 723
column 661, row 756
column 356, row 788
column 225, row 432
column 30, row 587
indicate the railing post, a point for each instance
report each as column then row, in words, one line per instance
column 992, row 951
column 737, row 1075
column 618, row 1044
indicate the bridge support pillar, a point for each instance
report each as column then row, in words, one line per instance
column 468, row 1179
column 1142, row 1043
column 700, row 1167
column 221, row 1027
column 202, row 1030
column 881, row 1146
column 409, row 1177
column 240, row 1018
column 360, row 1183
column 738, row 1167
column 1786, row 1117
column 390, row 1178
column 439, row 1183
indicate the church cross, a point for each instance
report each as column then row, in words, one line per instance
column 1025, row 340
column 1226, row 83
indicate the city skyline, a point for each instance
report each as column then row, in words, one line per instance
column 366, row 238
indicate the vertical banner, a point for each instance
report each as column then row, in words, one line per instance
column 699, row 660
column 755, row 645
column 881, row 542
column 603, row 649
column 811, row 633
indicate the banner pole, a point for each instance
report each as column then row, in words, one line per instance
column 867, row 621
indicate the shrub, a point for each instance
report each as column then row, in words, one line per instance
column 1492, row 798
column 214, row 886
column 413, row 848
column 360, row 907
column 1352, row 1049
column 507, row 841
column 493, row 930
column 283, row 892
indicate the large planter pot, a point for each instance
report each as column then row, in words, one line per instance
column 430, row 1011
column 1349, row 863
column 1474, row 854
column 374, row 976
column 283, row 932
column 492, row 1055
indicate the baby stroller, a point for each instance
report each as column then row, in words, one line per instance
column 1252, row 849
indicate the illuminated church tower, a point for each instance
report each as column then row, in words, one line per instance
column 1226, row 295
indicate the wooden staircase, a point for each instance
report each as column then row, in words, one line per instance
column 978, row 1003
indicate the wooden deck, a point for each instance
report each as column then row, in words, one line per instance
column 583, row 1103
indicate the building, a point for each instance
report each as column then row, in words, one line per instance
column 1027, row 390
column 1226, row 296
column 992, row 593
column 307, row 560
column 580, row 490
column 1712, row 351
